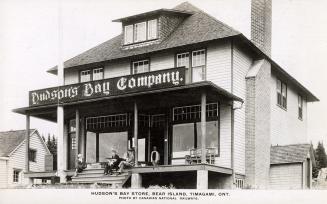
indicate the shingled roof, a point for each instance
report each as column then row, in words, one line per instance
column 10, row 140
column 290, row 153
column 197, row 28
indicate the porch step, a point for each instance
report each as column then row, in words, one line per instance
column 95, row 175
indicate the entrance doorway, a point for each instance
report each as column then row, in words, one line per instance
column 157, row 140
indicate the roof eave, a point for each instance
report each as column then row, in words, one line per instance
column 154, row 12
column 310, row 96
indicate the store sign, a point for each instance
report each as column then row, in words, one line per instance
column 109, row 87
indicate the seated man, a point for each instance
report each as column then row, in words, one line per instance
column 155, row 156
column 129, row 162
column 80, row 165
column 113, row 162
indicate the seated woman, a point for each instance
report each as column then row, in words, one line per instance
column 80, row 165
column 112, row 163
column 129, row 162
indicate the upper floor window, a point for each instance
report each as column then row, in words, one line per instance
column 140, row 66
column 152, row 29
column 198, row 65
column 129, row 34
column 183, row 60
column 281, row 94
column 15, row 175
column 98, row 74
column 94, row 74
column 32, row 155
column 85, row 75
column 300, row 107
column 142, row 31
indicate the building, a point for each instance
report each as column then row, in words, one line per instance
column 13, row 155
column 182, row 81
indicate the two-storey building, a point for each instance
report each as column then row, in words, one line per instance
column 213, row 103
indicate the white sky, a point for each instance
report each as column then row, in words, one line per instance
column 28, row 45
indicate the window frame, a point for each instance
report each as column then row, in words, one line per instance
column 100, row 68
column 32, row 155
column 125, row 34
column 194, row 122
column 91, row 70
column 282, row 93
column 156, row 28
column 134, row 41
column 135, row 61
column 145, row 23
column 190, row 68
column 80, row 75
column 300, row 107
column 16, row 179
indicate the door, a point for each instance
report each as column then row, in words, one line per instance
column 157, row 139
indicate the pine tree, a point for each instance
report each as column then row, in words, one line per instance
column 321, row 159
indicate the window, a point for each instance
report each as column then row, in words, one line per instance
column 140, row 67
column 98, row 74
column 281, row 94
column 32, row 155
column 300, row 106
column 129, row 34
column 152, row 29
column 85, row 76
column 183, row 138
column 16, row 174
column 183, row 60
column 211, row 136
column 198, row 65
column 239, row 183
column 140, row 32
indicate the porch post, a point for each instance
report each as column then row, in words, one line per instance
column 60, row 145
column 77, row 133
column 202, row 179
column 27, row 139
column 136, row 133
column 203, row 127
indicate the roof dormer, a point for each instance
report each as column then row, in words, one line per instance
column 150, row 28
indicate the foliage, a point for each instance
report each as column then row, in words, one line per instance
column 321, row 159
column 52, row 146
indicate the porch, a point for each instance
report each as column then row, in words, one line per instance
column 177, row 120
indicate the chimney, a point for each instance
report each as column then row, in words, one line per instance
column 261, row 25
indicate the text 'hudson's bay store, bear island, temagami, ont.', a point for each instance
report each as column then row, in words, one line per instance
column 221, row 113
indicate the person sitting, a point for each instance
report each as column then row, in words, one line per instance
column 113, row 162
column 129, row 162
column 80, row 165
column 155, row 156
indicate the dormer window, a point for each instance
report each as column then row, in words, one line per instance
column 140, row 32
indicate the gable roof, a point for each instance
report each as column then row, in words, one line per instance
column 290, row 153
column 10, row 140
column 199, row 27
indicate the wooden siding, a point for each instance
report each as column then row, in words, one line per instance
column 117, row 69
column 3, row 173
column 71, row 77
column 286, row 127
column 219, row 64
column 241, row 65
column 17, row 160
column 162, row 61
column 286, row 176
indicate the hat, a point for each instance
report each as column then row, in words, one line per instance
column 79, row 155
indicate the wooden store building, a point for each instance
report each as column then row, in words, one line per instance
column 220, row 111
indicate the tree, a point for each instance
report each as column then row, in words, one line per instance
column 52, row 146
column 321, row 159
column 43, row 138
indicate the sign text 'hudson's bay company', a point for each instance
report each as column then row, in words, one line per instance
column 108, row 87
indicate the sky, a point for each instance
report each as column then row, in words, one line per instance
column 29, row 45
